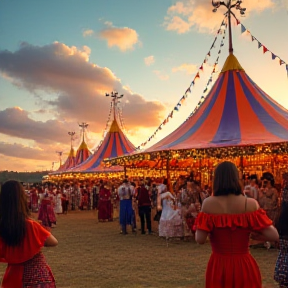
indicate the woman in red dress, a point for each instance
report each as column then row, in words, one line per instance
column 230, row 217
column 21, row 240
column 105, row 211
column 46, row 212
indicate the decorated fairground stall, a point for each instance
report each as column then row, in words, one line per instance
column 236, row 121
column 114, row 144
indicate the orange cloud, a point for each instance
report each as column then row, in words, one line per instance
column 184, row 15
column 78, row 85
column 188, row 68
column 78, row 88
column 178, row 24
column 123, row 38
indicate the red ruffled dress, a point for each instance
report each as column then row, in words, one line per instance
column 27, row 266
column 231, row 264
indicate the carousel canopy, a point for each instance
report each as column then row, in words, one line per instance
column 82, row 153
column 236, row 112
column 115, row 144
column 69, row 163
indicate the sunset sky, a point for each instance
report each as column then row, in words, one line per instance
column 58, row 58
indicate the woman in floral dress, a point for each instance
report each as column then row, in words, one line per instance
column 281, row 268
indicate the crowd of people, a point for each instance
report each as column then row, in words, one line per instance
column 230, row 216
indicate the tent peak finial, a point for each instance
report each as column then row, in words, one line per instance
column 114, row 127
column 231, row 63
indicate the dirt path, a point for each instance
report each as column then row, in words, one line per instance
column 92, row 254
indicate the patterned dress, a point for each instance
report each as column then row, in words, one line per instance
column 27, row 267
column 281, row 268
column 170, row 224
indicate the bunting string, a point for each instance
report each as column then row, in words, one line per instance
column 188, row 90
column 106, row 128
column 260, row 45
column 108, row 120
column 121, row 118
column 204, row 94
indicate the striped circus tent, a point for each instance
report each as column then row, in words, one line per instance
column 236, row 112
column 82, row 153
column 69, row 163
column 115, row 144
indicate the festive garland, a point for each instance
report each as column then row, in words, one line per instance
column 121, row 119
column 108, row 120
column 106, row 127
column 188, row 90
column 210, row 78
column 265, row 49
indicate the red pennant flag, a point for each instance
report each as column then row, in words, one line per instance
column 264, row 49
column 237, row 21
column 201, row 67
column 209, row 53
column 197, row 76
column 205, row 60
column 281, row 61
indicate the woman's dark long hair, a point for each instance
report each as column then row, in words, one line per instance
column 226, row 180
column 13, row 213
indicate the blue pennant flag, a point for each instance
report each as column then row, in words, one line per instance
column 176, row 108
column 243, row 29
column 273, row 56
column 287, row 69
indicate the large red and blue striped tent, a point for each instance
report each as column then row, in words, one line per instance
column 69, row 163
column 82, row 154
column 115, row 144
column 236, row 112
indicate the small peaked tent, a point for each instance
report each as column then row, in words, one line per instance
column 82, row 154
column 115, row 144
column 236, row 112
column 69, row 163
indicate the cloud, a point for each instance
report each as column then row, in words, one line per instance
column 88, row 32
column 188, row 68
column 160, row 75
column 20, row 151
column 123, row 38
column 16, row 122
column 184, row 15
column 149, row 60
column 78, row 86
column 178, row 24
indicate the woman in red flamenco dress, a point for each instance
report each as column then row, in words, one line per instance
column 229, row 217
column 105, row 209
column 46, row 212
column 21, row 240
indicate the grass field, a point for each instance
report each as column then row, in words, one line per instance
column 92, row 254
